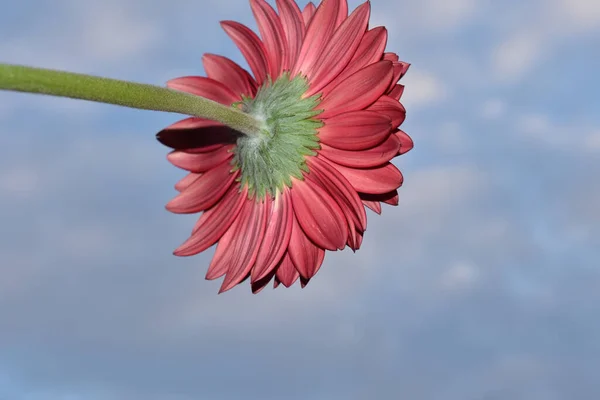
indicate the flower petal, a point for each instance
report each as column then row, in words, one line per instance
column 259, row 285
column 373, row 205
column 360, row 90
column 406, row 143
column 369, row 51
column 355, row 130
column 205, row 87
column 376, row 180
column 286, row 272
column 344, row 195
column 400, row 69
column 251, row 47
column 205, row 191
column 339, row 187
column 223, row 70
column 309, row 12
column 213, row 223
column 197, row 134
column 186, row 181
column 391, row 108
column 342, row 13
column 238, row 248
column 340, row 49
column 318, row 34
column 373, row 157
column 200, row 162
column 396, row 92
column 272, row 34
column 319, row 215
column 306, row 256
column 294, row 28
column 393, row 198
column 390, row 198
column 277, row 236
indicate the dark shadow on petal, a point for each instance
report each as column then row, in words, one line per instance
column 182, row 139
column 389, row 197
column 262, row 283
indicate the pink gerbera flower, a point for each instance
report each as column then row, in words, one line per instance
column 328, row 98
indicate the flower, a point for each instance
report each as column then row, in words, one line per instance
column 327, row 96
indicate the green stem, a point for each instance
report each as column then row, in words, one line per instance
column 129, row 94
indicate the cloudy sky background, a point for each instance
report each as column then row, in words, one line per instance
column 483, row 284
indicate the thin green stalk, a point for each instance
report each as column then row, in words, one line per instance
column 123, row 93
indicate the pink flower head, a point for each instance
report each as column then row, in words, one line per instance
column 327, row 94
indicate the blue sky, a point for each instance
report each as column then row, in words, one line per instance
column 483, row 284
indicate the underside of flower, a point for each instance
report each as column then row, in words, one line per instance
column 326, row 95
column 270, row 160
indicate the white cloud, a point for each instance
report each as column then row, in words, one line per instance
column 114, row 34
column 493, row 109
column 578, row 15
column 449, row 138
column 516, row 56
column 19, row 182
column 424, row 17
column 533, row 124
column 90, row 35
column 443, row 15
column 592, row 141
column 459, row 276
column 569, row 136
column 539, row 29
column 422, row 89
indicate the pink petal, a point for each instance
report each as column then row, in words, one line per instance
column 339, row 188
column 198, row 134
column 355, row 236
column 277, row 236
column 373, row 157
column 342, row 13
column 369, row 51
column 318, row 34
column 396, row 92
column 251, row 47
column 294, row 28
column 205, row 87
column 376, row 180
column 309, row 12
column 286, row 272
column 259, row 285
column 359, row 239
column 340, row 49
column 373, row 205
column 305, row 255
column 200, row 162
column 358, row 91
column 391, row 56
column 390, row 198
column 272, row 34
column 186, row 181
column 345, row 197
column 319, row 215
column 355, row 130
column 391, row 108
column 230, row 74
column 400, row 69
column 238, row 248
column 204, row 192
column 406, row 143
column 213, row 223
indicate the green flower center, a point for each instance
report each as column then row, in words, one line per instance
column 269, row 160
